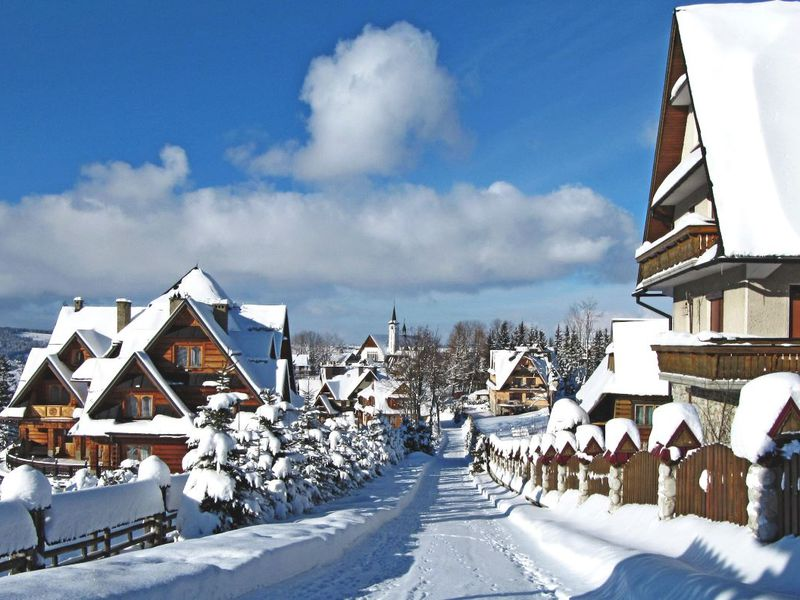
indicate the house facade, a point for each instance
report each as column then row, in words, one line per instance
column 517, row 381
column 722, row 233
column 626, row 383
column 120, row 382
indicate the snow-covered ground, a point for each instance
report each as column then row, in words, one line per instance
column 524, row 424
column 449, row 543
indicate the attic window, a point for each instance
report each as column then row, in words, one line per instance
column 188, row 357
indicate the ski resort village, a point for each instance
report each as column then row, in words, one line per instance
column 452, row 300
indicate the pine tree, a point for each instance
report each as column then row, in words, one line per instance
column 218, row 495
column 503, row 340
column 520, row 336
column 8, row 430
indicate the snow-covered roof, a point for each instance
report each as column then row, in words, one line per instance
column 381, row 390
column 503, row 363
column 742, row 64
column 39, row 359
column 342, row 386
column 635, row 364
column 252, row 342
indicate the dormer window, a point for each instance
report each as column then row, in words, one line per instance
column 77, row 357
column 189, row 357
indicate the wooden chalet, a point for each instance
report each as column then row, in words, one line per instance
column 626, row 383
column 722, row 232
column 383, row 396
column 339, row 393
column 517, row 381
column 125, row 383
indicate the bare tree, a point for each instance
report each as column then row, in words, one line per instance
column 581, row 320
column 320, row 347
column 422, row 367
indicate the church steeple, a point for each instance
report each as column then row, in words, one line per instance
column 392, row 345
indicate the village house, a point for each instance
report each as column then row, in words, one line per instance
column 518, row 381
column 722, row 231
column 339, row 393
column 125, row 382
column 384, row 396
column 626, row 383
column 382, row 349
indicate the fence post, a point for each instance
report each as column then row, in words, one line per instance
column 762, row 506
column 583, row 482
column 615, row 484
column 545, row 479
column 561, row 478
column 667, row 490
column 107, row 541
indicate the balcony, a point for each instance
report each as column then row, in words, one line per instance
column 677, row 247
column 50, row 411
column 731, row 361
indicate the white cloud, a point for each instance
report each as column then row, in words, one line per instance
column 373, row 104
column 126, row 230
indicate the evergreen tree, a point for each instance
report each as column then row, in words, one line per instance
column 520, row 336
column 8, row 429
column 218, row 495
column 503, row 340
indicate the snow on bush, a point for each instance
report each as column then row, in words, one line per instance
column 27, row 485
column 616, row 430
column 566, row 415
column 667, row 418
column 156, row 469
column 760, row 403
column 17, row 531
column 81, row 480
column 76, row 514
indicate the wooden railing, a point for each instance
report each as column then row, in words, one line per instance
column 48, row 467
column 731, row 360
column 690, row 242
column 51, row 411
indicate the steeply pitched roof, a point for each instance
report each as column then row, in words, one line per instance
column 742, row 63
column 635, row 364
column 505, row 362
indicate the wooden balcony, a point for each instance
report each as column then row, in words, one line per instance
column 730, row 360
column 690, row 242
column 50, row 411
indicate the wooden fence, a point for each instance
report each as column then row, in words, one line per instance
column 640, row 479
column 598, row 475
column 711, row 483
column 573, row 464
column 552, row 476
column 790, row 496
column 537, row 472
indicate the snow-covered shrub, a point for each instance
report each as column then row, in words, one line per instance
column 479, row 455
column 566, row 416
column 28, row 486
column 126, row 473
column 418, row 436
column 218, row 496
column 83, row 479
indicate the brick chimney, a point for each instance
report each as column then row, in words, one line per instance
column 221, row 314
column 123, row 313
column 77, row 303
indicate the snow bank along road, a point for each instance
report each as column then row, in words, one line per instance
column 450, row 542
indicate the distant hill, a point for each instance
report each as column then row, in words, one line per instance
column 16, row 343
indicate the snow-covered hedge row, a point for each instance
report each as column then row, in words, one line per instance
column 76, row 514
column 17, row 532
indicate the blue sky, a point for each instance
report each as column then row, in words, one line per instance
column 132, row 129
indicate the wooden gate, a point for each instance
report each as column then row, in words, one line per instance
column 790, row 496
column 598, row 475
column 640, row 479
column 573, row 464
column 711, row 484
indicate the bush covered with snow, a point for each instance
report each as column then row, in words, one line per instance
column 566, row 415
column 760, row 404
column 28, row 486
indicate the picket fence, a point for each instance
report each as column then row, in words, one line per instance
column 711, row 482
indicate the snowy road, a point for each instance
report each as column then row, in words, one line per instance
column 449, row 543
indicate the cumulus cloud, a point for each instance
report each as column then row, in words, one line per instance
column 125, row 230
column 373, row 104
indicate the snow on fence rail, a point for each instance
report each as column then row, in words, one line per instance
column 87, row 524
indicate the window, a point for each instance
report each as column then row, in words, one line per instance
column 188, row 357
column 139, row 406
column 137, row 452
column 644, row 414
